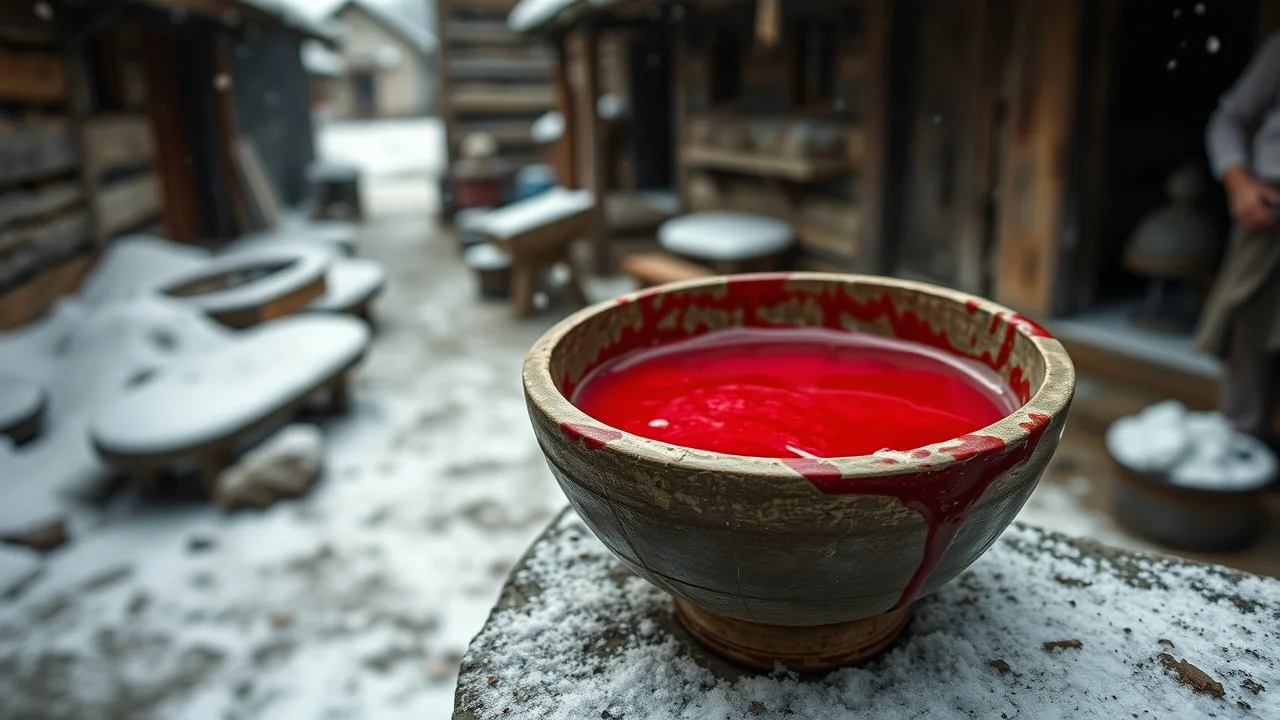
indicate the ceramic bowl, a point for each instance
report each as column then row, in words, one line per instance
column 811, row 563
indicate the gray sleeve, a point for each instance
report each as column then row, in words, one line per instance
column 1242, row 107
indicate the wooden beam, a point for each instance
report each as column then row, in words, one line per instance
column 598, row 171
column 567, row 146
column 127, row 203
column 37, row 77
column 116, row 142
column 1035, row 180
column 874, row 177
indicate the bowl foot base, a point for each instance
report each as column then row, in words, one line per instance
column 802, row 649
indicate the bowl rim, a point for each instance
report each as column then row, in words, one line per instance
column 1051, row 399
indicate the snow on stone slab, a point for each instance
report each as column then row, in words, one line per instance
column 289, row 269
column 349, row 282
column 1042, row 626
column 219, row 394
column 556, row 204
column 20, row 399
column 335, row 237
column 17, row 567
column 283, row 466
column 1194, row 450
column 139, row 264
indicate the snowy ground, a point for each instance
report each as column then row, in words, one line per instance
column 357, row 600
column 406, row 146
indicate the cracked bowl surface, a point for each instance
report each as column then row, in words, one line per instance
column 799, row 542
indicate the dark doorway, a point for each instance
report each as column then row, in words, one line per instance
column 1170, row 62
column 651, row 88
column 366, row 94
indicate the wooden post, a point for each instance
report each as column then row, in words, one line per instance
column 598, row 172
column 566, row 151
column 229, row 130
column 78, row 102
column 871, row 249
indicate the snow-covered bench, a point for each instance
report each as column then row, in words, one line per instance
column 198, row 411
column 538, row 233
column 728, row 241
column 315, row 279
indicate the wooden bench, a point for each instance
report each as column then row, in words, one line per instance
column 659, row 268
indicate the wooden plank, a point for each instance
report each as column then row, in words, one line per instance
column 36, row 150
column 597, row 167
column 567, row 149
column 258, row 184
column 24, row 206
column 1036, row 167
column 31, row 299
column 499, row 68
column 473, row 30
column 79, row 98
column 49, row 235
column 183, row 214
column 496, row 98
column 32, row 76
column 128, row 202
column 117, row 141
column 786, row 168
column 831, row 226
column 873, row 179
column 506, row 132
column 231, row 146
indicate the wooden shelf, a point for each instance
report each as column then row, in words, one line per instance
column 782, row 168
column 495, row 32
column 499, row 99
column 501, row 68
column 32, row 77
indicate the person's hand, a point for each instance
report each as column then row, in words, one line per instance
column 1255, row 205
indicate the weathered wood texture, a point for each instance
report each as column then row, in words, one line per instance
column 960, row 52
column 36, row 150
column 33, row 297
column 32, row 76
column 116, row 142
column 773, row 148
column 1035, row 178
column 127, row 203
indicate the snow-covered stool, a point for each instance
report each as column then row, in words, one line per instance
column 249, row 287
column 728, row 241
column 492, row 269
column 350, row 287
column 1189, row 480
column 468, row 228
column 336, row 187
column 197, row 412
column 537, row 234
column 21, row 408
column 1042, row 625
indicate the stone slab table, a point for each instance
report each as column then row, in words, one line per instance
column 1042, row 626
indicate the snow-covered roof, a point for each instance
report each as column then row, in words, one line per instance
column 320, row 60
column 530, row 15
column 415, row 35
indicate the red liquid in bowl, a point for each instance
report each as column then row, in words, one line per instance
column 795, row 392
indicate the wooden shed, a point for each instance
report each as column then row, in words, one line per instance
column 1004, row 147
column 123, row 116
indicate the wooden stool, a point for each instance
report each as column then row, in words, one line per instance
column 537, row 234
column 659, row 268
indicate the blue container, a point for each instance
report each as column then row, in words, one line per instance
column 532, row 180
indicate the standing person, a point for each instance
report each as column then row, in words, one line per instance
column 1241, row 320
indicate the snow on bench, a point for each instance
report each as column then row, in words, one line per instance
column 251, row 286
column 21, row 405
column 1041, row 626
column 350, row 287
column 199, row 410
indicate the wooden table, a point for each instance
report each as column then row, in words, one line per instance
column 1043, row 625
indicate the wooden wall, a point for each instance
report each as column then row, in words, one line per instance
column 46, row 241
column 773, row 148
